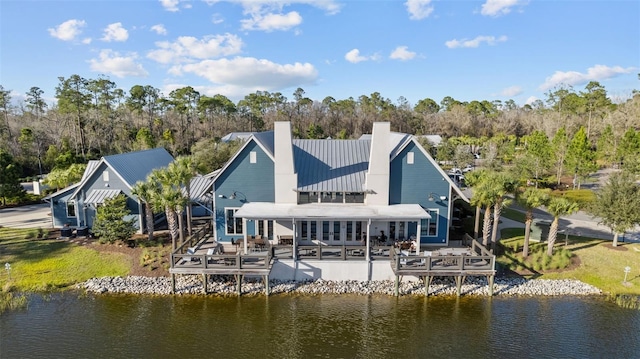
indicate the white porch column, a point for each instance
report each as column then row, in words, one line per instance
column 419, row 227
column 295, row 240
column 244, row 227
column 368, row 241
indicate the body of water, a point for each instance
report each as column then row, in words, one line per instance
column 330, row 326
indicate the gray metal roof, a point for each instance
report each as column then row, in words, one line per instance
column 200, row 189
column 136, row 166
column 266, row 139
column 331, row 165
column 232, row 136
column 97, row 196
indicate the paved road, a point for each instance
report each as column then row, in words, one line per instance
column 31, row 216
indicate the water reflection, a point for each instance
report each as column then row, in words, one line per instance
column 345, row 326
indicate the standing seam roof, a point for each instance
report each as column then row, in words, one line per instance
column 331, row 165
column 136, row 166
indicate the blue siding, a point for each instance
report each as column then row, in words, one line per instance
column 87, row 215
column 412, row 183
column 59, row 209
column 253, row 182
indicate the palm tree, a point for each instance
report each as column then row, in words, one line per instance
column 483, row 196
column 530, row 199
column 558, row 206
column 183, row 169
column 144, row 192
column 170, row 198
column 473, row 179
column 501, row 184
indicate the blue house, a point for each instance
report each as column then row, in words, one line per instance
column 333, row 192
column 110, row 176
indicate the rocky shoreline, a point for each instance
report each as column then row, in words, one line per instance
column 226, row 286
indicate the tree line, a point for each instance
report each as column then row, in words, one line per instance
column 93, row 117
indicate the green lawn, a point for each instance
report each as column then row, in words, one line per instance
column 49, row 264
column 599, row 264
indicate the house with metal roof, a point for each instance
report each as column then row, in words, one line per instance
column 340, row 193
column 110, row 176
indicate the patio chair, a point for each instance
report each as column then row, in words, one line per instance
column 210, row 252
column 192, row 251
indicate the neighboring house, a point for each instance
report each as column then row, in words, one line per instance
column 76, row 205
column 235, row 136
column 333, row 192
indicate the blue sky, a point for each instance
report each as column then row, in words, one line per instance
column 469, row 50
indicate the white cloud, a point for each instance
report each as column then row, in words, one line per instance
column 110, row 62
column 595, row 73
column 68, row 30
column 499, row 7
column 188, row 48
column 268, row 15
column 115, row 32
column 159, row 29
column 217, row 18
column 170, row 5
column 354, row 56
column 254, row 74
column 401, row 53
column 270, row 22
column 86, row 41
column 511, row 91
column 531, row 100
column 490, row 40
column 419, row 9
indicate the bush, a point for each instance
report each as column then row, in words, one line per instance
column 537, row 259
column 110, row 225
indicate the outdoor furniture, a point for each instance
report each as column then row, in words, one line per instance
column 191, row 251
column 285, row 240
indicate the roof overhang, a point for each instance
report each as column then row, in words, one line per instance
column 265, row 210
column 98, row 196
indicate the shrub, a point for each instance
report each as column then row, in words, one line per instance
column 110, row 224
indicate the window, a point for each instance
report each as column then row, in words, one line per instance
column 307, row 197
column 105, row 176
column 332, row 197
column 71, row 209
column 233, row 224
column 410, row 158
column 252, row 157
column 429, row 227
column 354, row 197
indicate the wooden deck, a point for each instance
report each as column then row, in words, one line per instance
column 476, row 261
column 202, row 255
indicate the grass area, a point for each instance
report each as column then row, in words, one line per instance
column 511, row 256
column 599, row 264
column 584, row 197
column 513, row 214
column 40, row 265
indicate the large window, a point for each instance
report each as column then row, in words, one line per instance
column 233, row 224
column 429, row 227
column 330, row 197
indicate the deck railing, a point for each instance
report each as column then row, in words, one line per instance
column 443, row 263
column 195, row 239
column 229, row 261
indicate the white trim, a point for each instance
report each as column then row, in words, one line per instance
column 226, row 232
column 429, row 220
column 321, row 211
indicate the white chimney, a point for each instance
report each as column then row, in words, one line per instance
column 378, row 175
column 286, row 179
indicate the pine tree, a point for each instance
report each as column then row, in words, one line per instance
column 110, row 224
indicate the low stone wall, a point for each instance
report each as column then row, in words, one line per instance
column 225, row 285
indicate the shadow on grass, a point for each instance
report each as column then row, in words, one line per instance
column 33, row 250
